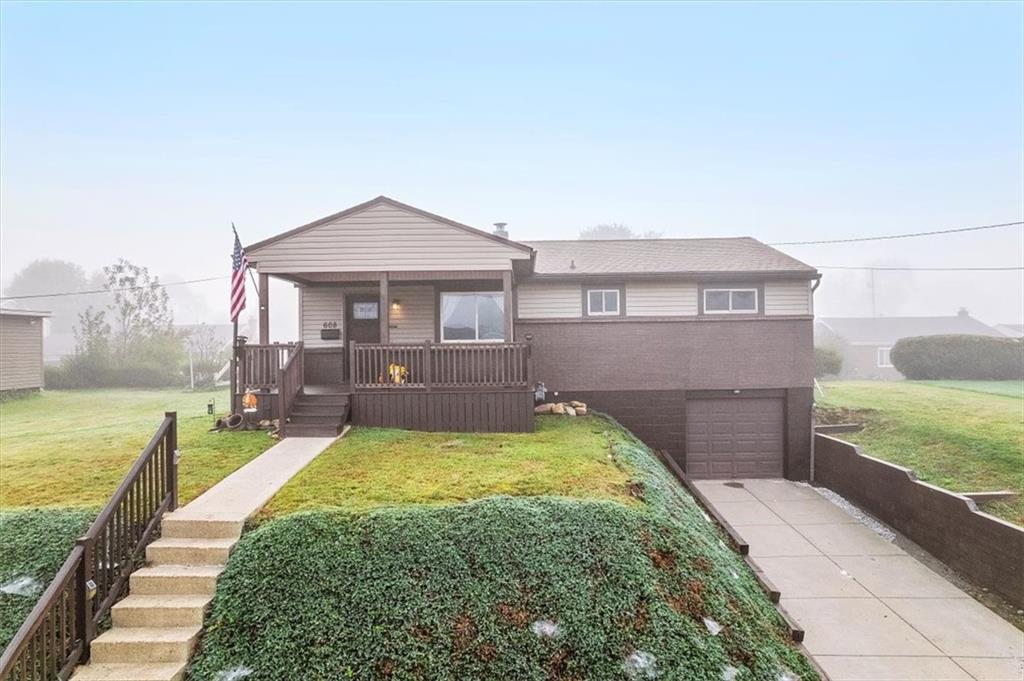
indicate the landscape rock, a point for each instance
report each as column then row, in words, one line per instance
column 543, row 408
column 576, row 405
column 569, row 411
column 581, row 411
column 558, row 408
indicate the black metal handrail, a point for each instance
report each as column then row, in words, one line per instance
column 57, row 633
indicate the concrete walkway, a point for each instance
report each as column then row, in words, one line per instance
column 869, row 610
column 155, row 628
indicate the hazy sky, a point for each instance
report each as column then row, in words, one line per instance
column 143, row 130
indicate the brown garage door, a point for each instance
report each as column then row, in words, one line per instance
column 734, row 438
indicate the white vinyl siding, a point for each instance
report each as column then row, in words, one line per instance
column 413, row 320
column 21, row 352
column 787, row 298
column 550, row 301
column 384, row 238
column 320, row 305
column 661, row 299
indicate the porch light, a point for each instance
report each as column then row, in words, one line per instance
column 396, row 304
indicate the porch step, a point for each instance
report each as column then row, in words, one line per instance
column 145, row 644
column 317, row 409
column 161, row 611
column 310, row 430
column 317, row 419
column 176, row 526
column 156, row 671
column 175, row 579
column 185, row 551
column 322, row 399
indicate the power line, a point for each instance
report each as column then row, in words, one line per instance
column 112, row 290
column 921, row 269
column 897, row 236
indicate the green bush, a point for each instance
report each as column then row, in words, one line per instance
column 967, row 358
column 455, row 592
column 35, row 542
column 827, row 362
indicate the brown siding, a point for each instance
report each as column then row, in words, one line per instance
column 21, row 352
column 671, row 355
column 986, row 549
column 500, row 411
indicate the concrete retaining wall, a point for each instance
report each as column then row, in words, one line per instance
column 987, row 550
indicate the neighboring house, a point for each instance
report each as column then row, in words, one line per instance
column 1010, row 330
column 703, row 347
column 21, row 350
column 865, row 342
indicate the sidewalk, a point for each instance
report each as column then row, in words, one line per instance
column 869, row 610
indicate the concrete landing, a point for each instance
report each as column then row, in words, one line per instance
column 869, row 610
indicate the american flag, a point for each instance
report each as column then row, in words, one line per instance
column 238, row 265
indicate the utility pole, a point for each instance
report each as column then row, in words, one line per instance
column 874, row 311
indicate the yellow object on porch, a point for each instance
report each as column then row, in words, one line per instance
column 397, row 373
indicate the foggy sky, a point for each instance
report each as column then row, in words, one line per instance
column 143, row 131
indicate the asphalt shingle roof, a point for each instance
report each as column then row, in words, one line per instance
column 890, row 329
column 662, row 256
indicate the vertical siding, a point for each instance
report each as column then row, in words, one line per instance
column 413, row 321
column 549, row 301
column 653, row 299
column 321, row 304
column 21, row 353
column 385, row 238
column 787, row 298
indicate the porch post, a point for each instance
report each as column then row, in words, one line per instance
column 384, row 309
column 264, row 309
column 506, row 287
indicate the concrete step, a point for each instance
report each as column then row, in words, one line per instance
column 185, row 610
column 158, row 580
column 307, row 430
column 176, row 525
column 167, row 671
column 144, row 644
column 184, row 551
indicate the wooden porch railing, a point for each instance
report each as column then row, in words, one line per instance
column 258, row 366
column 289, row 386
column 56, row 634
column 440, row 365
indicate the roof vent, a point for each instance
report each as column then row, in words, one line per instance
column 499, row 229
column 962, row 312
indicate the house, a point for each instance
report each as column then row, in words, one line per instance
column 702, row 347
column 865, row 342
column 21, row 350
column 1010, row 330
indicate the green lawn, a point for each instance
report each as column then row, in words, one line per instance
column 967, row 438
column 1004, row 388
column 601, row 567
column 374, row 467
column 72, row 448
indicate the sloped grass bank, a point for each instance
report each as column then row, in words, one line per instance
column 501, row 588
column 33, row 545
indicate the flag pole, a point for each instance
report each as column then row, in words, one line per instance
column 248, row 269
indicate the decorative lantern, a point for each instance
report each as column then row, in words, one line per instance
column 249, row 400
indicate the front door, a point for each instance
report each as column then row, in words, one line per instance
column 362, row 321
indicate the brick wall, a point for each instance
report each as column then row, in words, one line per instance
column 987, row 550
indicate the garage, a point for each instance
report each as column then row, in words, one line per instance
column 735, row 437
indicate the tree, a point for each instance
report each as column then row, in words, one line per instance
column 208, row 354
column 141, row 307
column 42, row 277
column 615, row 230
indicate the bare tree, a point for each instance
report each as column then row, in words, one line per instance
column 615, row 230
column 141, row 306
column 208, row 354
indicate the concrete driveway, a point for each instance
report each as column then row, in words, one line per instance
column 869, row 610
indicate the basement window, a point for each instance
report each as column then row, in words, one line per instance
column 730, row 301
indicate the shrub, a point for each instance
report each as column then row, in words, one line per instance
column 969, row 358
column 827, row 362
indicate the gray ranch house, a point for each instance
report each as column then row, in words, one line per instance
column 702, row 347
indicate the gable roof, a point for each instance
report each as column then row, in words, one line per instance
column 384, row 200
column 888, row 330
column 14, row 312
column 741, row 255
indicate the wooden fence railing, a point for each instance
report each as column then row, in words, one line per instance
column 289, row 386
column 258, row 366
column 440, row 365
column 56, row 634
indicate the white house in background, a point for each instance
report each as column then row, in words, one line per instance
column 1010, row 330
column 21, row 350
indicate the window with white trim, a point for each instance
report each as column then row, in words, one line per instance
column 602, row 302
column 883, row 357
column 730, row 301
column 472, row 317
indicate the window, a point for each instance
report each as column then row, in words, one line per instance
column 602, row 301
column 730, row 301
column 472, row 317
column 883, row 357
column 364, row 310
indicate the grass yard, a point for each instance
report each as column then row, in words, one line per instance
column 72, row 448
column 966, row 437
column 1004, row 388
column 602, row 567
column 373, row 467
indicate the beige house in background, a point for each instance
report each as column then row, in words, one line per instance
column 21, row 350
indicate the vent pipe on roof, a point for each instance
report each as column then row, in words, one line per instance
column 962, row 312
column 499, row 229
